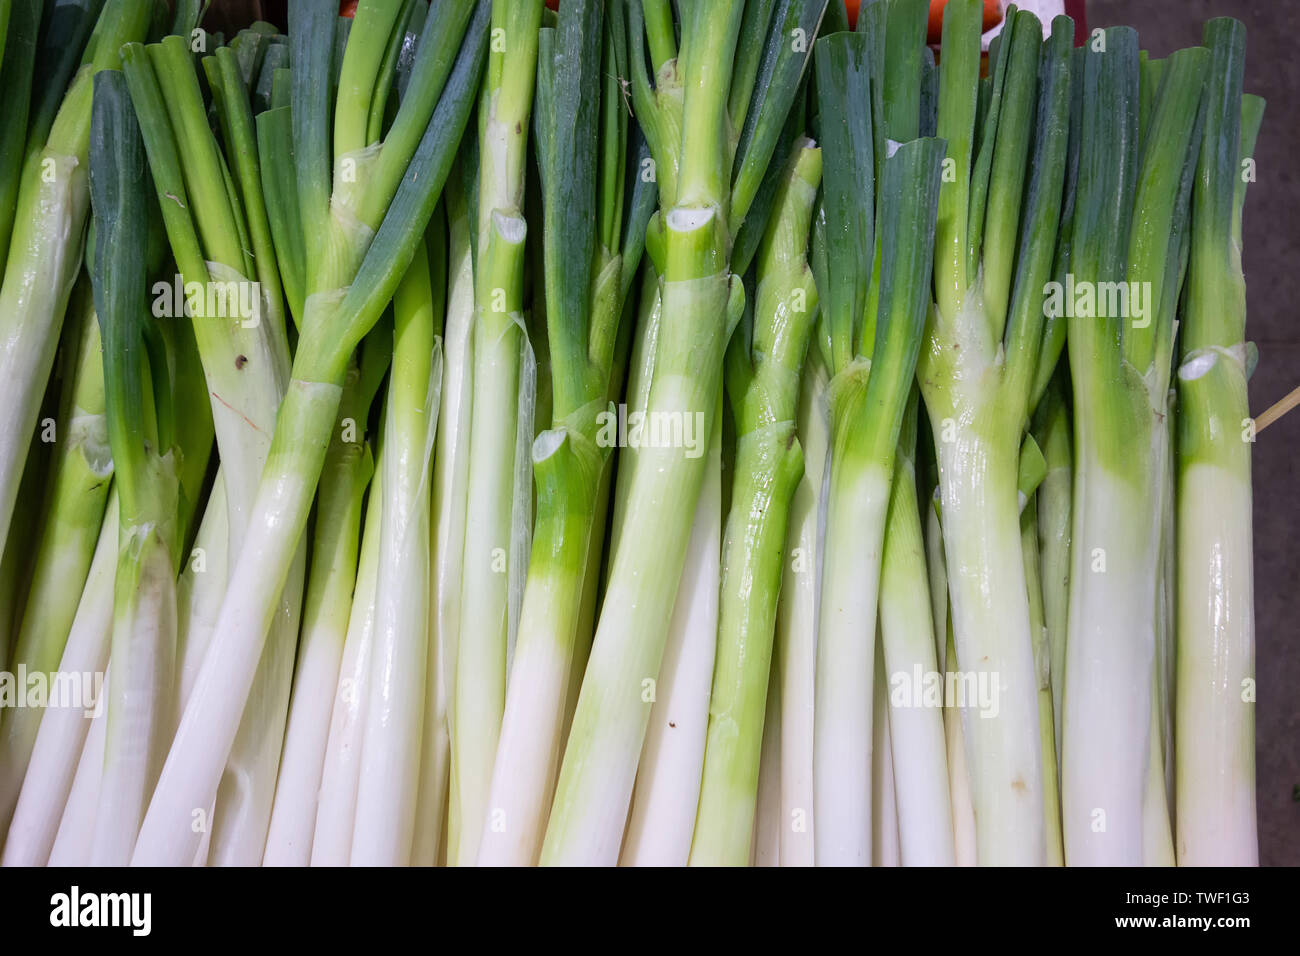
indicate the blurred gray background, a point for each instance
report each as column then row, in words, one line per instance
column 1272, row 263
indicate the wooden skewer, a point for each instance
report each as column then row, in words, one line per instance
column 1277, row 410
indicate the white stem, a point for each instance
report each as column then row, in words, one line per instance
column 915, row 723
column 141, row 701
column 336, row 809
column 450, row 484
column 528, row 755
column 937, row 576
column 389, row 783
column 76, row 832
column 963, row 807
column 48, row 778
column 796, row 621
column 211, row 720
column 855, row 530
column 247, row 791
column 315, row 680
column 767, row 813
column 487, row 570
column 672, row 758
column 886, row 849
column 1215, row 736
column 200, row 588
column 990, row 612
column 1109, row 667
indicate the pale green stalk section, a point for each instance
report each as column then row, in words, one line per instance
column 858, row 502
column 645, row 347
column 885, row 847
column 959, row 781
column 768, row 823
column 609, row 724
column 45, row 251
column 1167, row 609
column 910, row 657
column 1157, row 833
column 796, row 623
column 1042, row 662
column 331, row 843
column 768, row 467
column 80, row 476
column 1214, row 734
column 1054, row 497
column 16, row 562
column 491, row 565
column 937, row 573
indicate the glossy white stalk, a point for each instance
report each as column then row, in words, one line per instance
column 336, row 809
column 48, row 777
column 668, row 777
column 796, row 623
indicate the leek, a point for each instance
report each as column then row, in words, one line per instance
column 350, row 280
column 1120, row 364
column 591, row 256
column 686, row 124
column 1214, row 729
column 764, row 371
column 976, row 371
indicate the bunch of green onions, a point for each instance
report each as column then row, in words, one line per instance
column 754, row 440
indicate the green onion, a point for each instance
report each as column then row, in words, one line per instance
column 590, row 256
column 907, row 633
column 1120, row 366
column 336, row 809
column 796, row 634
column 992, row 262
column 1214, row 728
column 138, row 398
column 694, row 159
column 244, row 349
column 873, row 335
column 388, row 789
column 350, row 280
column 450, row 488
column 80, row 478
column 62, row 735
column 764, row 388
column 1054, row 436
column 348, row 469
column 497, row 518
column 667, row 792
column 45, row 249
